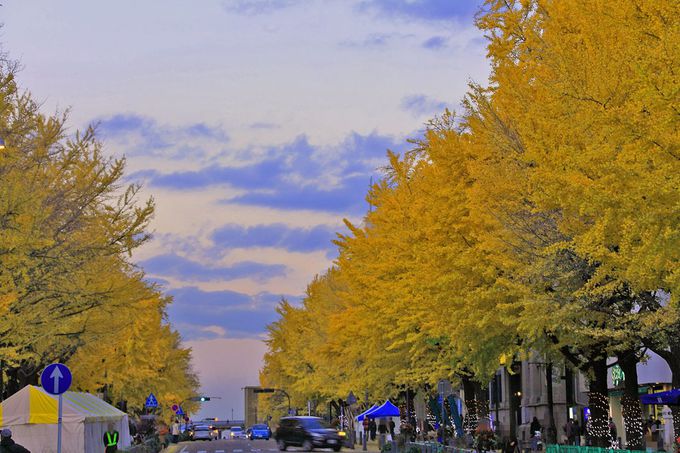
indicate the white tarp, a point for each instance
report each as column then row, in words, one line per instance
column 31, row 414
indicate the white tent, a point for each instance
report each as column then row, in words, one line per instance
column 32, row 414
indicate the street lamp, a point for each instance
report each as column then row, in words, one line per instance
column 272, row 390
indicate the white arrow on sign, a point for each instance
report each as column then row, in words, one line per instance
column 56, row 376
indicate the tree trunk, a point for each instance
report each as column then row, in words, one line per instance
column 470, row 420
column 482, row 397
column 598, row 401
column 630, row 402
column 551, row 437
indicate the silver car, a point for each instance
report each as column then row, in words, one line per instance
column 236, row 432
column 203, row 432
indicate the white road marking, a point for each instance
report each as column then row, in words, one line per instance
column 201, row 451
column 183, row 450
column 238, row 451
column 219, row 451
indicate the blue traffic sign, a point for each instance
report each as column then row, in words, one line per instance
column 151, row 401
column 56, row 378
column 179, row 411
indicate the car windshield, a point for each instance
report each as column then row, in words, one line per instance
column 201, row 428
column 259, row 426
column 314, row 423
column 236, row 428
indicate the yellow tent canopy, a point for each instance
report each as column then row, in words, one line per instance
column 32, row 415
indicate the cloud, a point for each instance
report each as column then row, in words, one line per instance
column 200, row 314
column 430, row 10
column 142, row 136
column 374, row 40
column 295, row 175
column 435, row 43
column 256, row 7
column 178, row 267
column 275, row 235
column 419, row 104
column 264, row 125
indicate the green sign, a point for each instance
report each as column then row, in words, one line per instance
column 618, row 376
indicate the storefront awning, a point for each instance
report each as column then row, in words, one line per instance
column 670, row 397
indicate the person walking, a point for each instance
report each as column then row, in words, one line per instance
column 175, row 431
column 612, row 431
column 511, row 446
column 7, row 445
column 372, row 428
column 382, row 434
column 577, row 433
column 569, row 431
column 111, row 439
column 535, row 433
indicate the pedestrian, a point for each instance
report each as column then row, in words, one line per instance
column 511, row 446
column 577, row 433
column 382, row 434
column 659, row 436
column 111, row 439
column 8, row 445
column 654, row 429
column 535, row 426
column 537, row 442
column 569, row 431
column 175, row 430
column 372, row 428
column 612, row 430
column 391, row 426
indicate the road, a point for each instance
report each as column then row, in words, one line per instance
column 227, row 446
column 242, row 446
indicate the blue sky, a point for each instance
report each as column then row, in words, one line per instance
column 256, row 125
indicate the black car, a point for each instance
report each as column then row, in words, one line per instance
column 308, row 433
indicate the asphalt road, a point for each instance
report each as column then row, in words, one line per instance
column 227, row 446
column 240, row 446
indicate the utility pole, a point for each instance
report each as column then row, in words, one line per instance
column 365, row 431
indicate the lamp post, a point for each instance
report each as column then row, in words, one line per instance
column 272, row 390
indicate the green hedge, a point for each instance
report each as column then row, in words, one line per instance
column 575, row 449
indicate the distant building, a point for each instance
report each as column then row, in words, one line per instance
column 250, row 404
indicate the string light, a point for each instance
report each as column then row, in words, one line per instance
column 598, row 427
column 632, row 419
column 470, row 420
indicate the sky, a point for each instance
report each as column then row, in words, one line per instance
column 256, row 126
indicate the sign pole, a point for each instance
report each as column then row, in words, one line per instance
column 61, row 398
column 56, row 379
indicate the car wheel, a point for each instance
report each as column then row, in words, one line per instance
column 307, row 445
column 337, row 448
column 282, row 445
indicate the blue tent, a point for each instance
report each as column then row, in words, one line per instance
column 361, row 416
column 386, row 410
column 670, row 397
